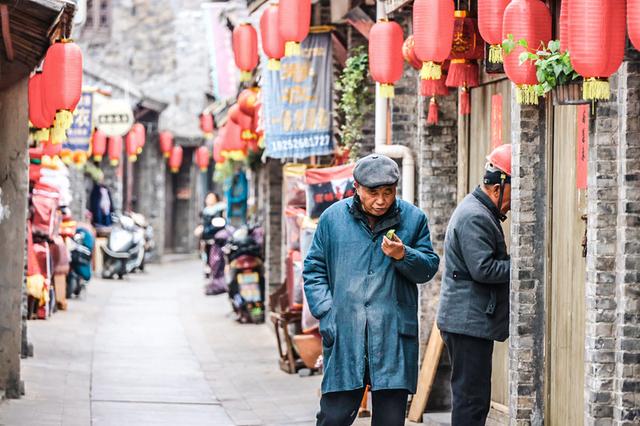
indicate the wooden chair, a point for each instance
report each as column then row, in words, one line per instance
column 282, row 318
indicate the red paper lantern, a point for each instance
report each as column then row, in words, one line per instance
column 115, row 150
column 141, row 132
column 39, row 117
column 272, row 40
column 490, row 17
column 203, row 157
column 409, row 54
column 294, row 20
column 175, row 159
column 247, row 101
column 98, row 145
column 233, row 147
column 385, row 55
column 166, row 143
column 245, row 49
column 62, row 84
column 564, row 26
column 597, row 39
column 217, row 146
column 433, row 34
column 131, row 142
column 244, row 121
column 206, row 124
column 633, row 22
column 467, row 46
column 529, row 20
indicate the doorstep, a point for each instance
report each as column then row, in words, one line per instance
column 437, row 419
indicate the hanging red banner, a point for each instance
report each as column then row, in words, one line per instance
column 582, row 151
column 496, row 121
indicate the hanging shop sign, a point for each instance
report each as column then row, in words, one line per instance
column 297, row 102
column 114, row 117
column 79, row 134
column 582, row 151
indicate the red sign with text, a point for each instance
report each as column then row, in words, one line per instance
column 582, row 151
column 496, row 121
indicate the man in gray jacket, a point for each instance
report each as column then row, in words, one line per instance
column 474, row 298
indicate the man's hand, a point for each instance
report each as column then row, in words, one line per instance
column 393, row 248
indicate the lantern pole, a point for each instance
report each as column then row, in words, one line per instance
column 382, row 104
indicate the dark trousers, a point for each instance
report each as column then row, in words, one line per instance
column 341, row 408
column 470, row 378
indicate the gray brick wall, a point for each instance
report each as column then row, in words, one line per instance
column 273, row 223
column 528, row 232
column 626, row 386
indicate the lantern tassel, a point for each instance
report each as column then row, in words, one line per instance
column 273, row 64
column 114, row 163
column 596, row 90
column 431, row 71
column 462, row 73
column 465, row 101
column 245, row 76
column 97, row 158
column 495, row 54
column 526, row 94
column 167, row 154
column 292, row 48
column 432, row 118
column 387, row 91
column 42, row 135
column 133, row 158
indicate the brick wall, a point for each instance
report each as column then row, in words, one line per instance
column 528, row 273
column 625, row 395
column 274, row 224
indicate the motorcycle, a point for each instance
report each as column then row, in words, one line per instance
column 81, row 249
column 149, row 241
column 245, row 274
column 220, row 233
column 125, row 249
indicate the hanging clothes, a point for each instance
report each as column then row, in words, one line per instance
column 237, row 194
column 101, row 205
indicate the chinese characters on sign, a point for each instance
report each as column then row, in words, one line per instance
column 582, row 147
column 79, row 134
column 496, row 121
column 297, row 102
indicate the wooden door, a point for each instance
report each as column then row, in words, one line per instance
column 476, row 144
column 566, row 295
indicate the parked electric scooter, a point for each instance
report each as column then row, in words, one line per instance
column 221, row 234
column 124, row 252
column 81, row 248
column 245, row 274
column 149, row 241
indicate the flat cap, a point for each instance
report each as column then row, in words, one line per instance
column 376, row 170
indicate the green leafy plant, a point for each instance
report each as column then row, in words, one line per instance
column 355, row 99
column 553, row 67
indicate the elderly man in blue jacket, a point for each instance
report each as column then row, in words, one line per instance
column 360, row 277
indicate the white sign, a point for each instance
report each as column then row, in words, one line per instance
column 114, row 117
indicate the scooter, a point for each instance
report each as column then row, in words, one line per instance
column 149, row 241
column 81, row 248
column 221, row 233
column 245, row 274
column 124, row 252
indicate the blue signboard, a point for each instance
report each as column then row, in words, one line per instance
column 297, row 102
column 79, row 134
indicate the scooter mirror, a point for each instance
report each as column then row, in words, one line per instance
column 218, row 222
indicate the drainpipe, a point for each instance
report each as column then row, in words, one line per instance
column 381, row 137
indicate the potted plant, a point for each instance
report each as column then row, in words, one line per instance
column 553, row 69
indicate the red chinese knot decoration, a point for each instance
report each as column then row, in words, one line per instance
column 385, row 55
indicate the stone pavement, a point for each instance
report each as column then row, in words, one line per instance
column 153, row 350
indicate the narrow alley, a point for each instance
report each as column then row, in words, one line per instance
column 151, row 349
